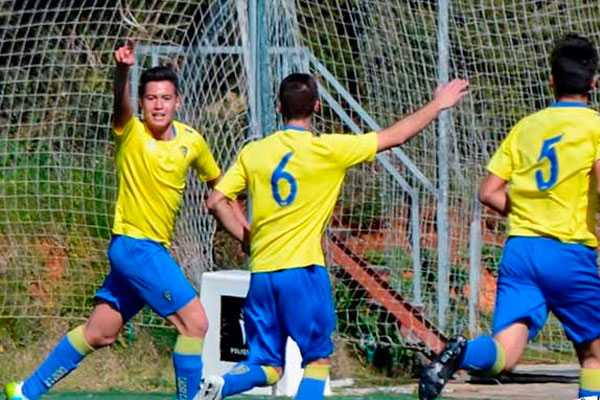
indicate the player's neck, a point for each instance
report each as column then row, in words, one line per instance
column 572, row 98
column 300, row 123
column 163, row 133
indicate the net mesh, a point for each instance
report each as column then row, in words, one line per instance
column 58, row 184
column 375, row 60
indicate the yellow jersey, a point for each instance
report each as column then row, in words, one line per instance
column 547, row 158
column 151, row 175
column 294, row 179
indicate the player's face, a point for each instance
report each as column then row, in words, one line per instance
column 159, row 104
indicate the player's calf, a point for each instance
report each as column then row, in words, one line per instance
column 589, row 384
column 192, row 324
column 187, row 362
column 312, row 386
column 63, row 359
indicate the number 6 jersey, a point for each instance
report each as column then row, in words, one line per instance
column 294, row 178
column 547, row 158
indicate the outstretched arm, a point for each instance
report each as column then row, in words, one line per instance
column 492, row 193
column 123, row 109
column 446, row 96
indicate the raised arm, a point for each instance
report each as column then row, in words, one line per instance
column 445, row 96
column 122, row 107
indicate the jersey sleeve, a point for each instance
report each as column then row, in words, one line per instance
column 235, row 180
column 597, row 155
column 121, row 134
column 350, row 150
column 204, row 163
column 502, row 162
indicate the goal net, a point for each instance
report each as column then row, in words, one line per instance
column 375, row 61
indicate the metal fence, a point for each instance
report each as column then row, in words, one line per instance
column 414, row 256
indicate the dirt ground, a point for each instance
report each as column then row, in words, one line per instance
column 546, row 386
column 511, row 391
column 566, row 373
column 558, row 391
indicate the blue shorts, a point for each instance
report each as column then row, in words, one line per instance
column 143, row 272
column 294, row 302
column 538, row 275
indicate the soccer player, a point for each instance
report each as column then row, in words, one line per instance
column 152, row 158
column 544, row 177
column 294, row 178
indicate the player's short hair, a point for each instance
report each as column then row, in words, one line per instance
column 574, row 63
column 155, row 74
column 298, row 94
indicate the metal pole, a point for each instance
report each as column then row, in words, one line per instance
column 475, row 244
column 443, row 183
column 415, row 238
column 246, row 51
column 253, row 79
column 154, row 56
column 263, row 73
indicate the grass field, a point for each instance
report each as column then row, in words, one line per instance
column 141, row 396
column 158, row 396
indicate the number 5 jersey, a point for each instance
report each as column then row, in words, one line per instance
column 548, row 158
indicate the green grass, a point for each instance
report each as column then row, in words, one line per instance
column 159, row 396
column 140, row 396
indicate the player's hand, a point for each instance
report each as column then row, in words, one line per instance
column 125, row 56
column 449, row 94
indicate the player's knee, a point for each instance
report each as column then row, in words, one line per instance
column 591, row 363
column 195, row 327
column 590, row 360
column 98, row 338
column 274, row 374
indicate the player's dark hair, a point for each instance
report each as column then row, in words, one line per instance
column 155, row 74
column 574, row 63
column 298, row 94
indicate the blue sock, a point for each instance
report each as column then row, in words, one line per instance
column 60, row 362
column 589, row 382
column 484, row 355
column 586, row 393
column 312, row 386
column 187, row 362
column 247, row 376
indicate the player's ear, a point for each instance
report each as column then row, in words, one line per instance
column 177, row 102
column 317, row 107
column 278, row 107
column 551, row 81
column 594, row 82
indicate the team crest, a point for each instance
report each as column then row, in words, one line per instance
column 184, row 150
